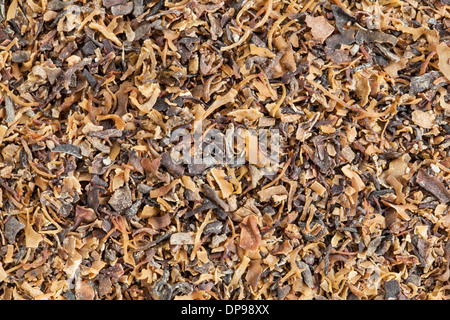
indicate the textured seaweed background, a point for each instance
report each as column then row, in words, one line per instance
column 94, row 205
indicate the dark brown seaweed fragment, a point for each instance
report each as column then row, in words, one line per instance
column 433, row 186
column 12, row 228
column 121, row 199
column 341, row 17
column 375, row 36
column 122, row 9
column 212, row 195
column 392, row 290
column 21, row 56
column 109, row 3
column 421, row 83
column 175, row 168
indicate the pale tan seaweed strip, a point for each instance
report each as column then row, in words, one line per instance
column 16, row 98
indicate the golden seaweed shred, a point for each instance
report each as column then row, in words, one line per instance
column 105, row 105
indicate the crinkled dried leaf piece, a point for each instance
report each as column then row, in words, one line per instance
column 401, row 209
column 107, row 33
column 16, row 99
column 220, row 101
column 84, row 291
column 240, row 271
column 164, row 190
column 226, row 187
column 9, row 108
column 399, row 166
column 357, row 182
column 118, row 121
column 110, row 3
column 151, row 91
column 336, row 41
column 253, row 273
column 212, row 195
column 122, row 9
column 3, row 274
column 121, row 199
column 401, row 199
column 375, row 36
column 321, row 29
column 341, row 17
column 443, row 51
column 424, row 82
column 32, row 238
column 245, row 115
column 283, row 248
column 69, row 149
column 261, row 52
column 170, row 164
column 182, row 238
column 31, row 290
column 433, row 185
column 392, row 289
column 423, row 119
column 266, row 194
column 318, row 188
column 106, row 134
column 158, row 223
column 394, row 67
column 84, row 215
column 12, row 228
column 362, row 87
column 3, row 130
column 250, row 237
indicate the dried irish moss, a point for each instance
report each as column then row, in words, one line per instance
column 106, row 105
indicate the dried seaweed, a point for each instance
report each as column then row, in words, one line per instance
column 12, row 228
column 433, row 185
column 224, row 150
column 69, row 149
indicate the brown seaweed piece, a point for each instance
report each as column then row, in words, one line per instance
column 250, row 237
column 433, row 186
